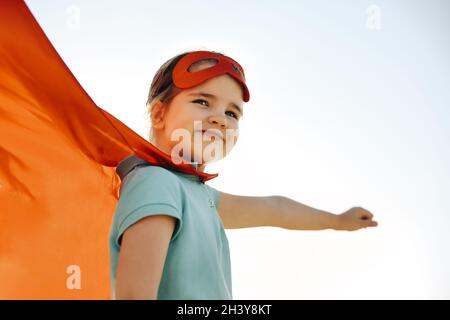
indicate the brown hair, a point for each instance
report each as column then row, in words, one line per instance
column 162, row 87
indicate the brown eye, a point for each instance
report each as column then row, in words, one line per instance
column 233, row 114
column 197, row 101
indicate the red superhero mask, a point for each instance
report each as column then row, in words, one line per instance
column 184, row 79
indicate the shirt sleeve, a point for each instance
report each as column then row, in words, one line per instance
column 147, row 191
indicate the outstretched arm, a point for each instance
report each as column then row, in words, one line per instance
column 278, row 211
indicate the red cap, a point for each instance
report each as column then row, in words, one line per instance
column 184, row 79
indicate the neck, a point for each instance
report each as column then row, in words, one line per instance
column 200, row 168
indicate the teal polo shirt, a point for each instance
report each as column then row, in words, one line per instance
column 197, row 265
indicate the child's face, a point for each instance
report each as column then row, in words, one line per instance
column 189, row 115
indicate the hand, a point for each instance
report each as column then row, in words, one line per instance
column 354, row 219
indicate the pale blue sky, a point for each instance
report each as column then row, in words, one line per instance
column 341, row 114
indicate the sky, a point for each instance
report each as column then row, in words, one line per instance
column 349, row 106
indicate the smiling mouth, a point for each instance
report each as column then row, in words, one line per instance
column 216, row 134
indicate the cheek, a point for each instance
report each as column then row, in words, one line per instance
column 179, row 123
column 186, row 118
column 233, row 133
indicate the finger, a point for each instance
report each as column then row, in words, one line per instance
column 366, row 213
column 366, row 216
column 371, row 223
column 365, row 221
column 364, row 210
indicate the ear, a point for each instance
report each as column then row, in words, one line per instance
column 157, row 114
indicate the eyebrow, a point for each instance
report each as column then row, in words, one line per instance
column 209, row 95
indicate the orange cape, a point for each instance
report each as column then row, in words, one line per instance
column 58, row 155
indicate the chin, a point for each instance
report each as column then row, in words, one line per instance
column 206, row 159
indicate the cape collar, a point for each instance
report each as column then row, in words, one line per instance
column 132, row 161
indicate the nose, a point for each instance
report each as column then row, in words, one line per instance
column 218, row 120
